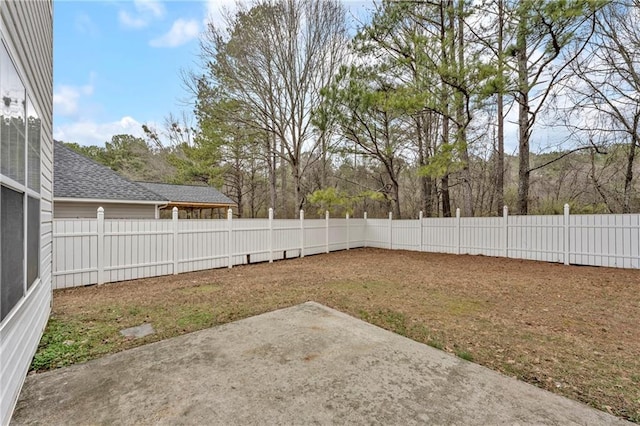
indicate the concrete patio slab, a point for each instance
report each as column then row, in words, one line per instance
column 303, row 365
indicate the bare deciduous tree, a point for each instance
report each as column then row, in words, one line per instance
column 273, row 58
column 608, row 88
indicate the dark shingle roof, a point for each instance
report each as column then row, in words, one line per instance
column 76, row 176
column 188, row 193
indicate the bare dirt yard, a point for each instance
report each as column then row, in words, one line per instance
column 572, row 330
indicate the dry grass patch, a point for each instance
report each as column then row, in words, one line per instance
column 572, row 330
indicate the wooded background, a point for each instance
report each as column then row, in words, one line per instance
column 428, row 106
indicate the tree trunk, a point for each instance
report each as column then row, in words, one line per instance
column 323, row 178
column 461, row 118
column 446, row 201
column 271, row 164
column 283, row 181
column 238, row 184
column 425, row 184
column 628, row 176
column 445, row 9
column 523, row 116
column 431, row 183
column 426, row 187
column 239, row 197
column 436, row 198
column 467, row 189
column 395, row 187
column 297, row 190
column 500, row 101
column 252, row 191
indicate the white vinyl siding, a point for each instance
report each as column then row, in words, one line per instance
column 26, row 28
column 81, row 210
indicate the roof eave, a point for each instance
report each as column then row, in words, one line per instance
column 108, row 201
column 172, row 204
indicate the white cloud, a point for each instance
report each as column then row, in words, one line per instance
column 152, row 7
column 66, row 98
column 92, row 133
column 131, row 22
column 145, row 12
column 85, row 25
column 215, row 10
column 180, row 33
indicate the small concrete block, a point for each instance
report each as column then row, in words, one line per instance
column 139, row 331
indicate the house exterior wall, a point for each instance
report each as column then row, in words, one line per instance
column 80, row 210
column 26, row 29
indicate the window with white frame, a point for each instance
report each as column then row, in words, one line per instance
column 20, row 128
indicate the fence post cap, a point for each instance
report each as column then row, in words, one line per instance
column 100, row 210
column 458, row 212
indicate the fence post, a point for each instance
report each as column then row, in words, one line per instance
column 174, row 221
column 100, row 251
column 566, row 234
column 270, row 234
column 230, row 237
column 505, row 230
column 366, row 234
column 420, row 232
column 458, row 230
column 347, row 219
column 326, row 230
column 390, row 231
column 301, row 233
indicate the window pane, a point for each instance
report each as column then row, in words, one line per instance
column 33, row 240
column 33, row 145
column 12, row 249
column 12, row 117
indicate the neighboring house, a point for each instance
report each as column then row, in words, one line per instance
column 191, row 197
column 81, row 186
column 26, row 178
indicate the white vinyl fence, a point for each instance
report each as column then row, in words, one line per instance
column 95, row 251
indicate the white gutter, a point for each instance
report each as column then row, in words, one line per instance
column 100, row 200
column 158, row 207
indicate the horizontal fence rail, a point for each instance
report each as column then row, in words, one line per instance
column 95, row 251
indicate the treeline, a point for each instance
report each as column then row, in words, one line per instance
column 568, row 179
column 410, row 113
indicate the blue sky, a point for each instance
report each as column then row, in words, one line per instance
column 117, row 63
